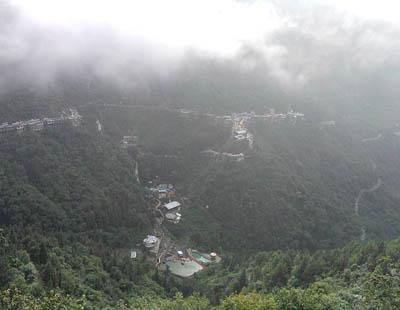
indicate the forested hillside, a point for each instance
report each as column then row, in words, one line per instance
column 199, row 155
column 358, row 276
column 298, row 189
column 71, row 209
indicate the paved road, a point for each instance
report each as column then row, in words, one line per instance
column 357, row 204
column 378, row 137
column 366, row 190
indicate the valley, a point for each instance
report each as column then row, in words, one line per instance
column 238, row 196
column 199, row 155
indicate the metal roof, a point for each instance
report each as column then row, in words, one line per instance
column 172, row 205
column 150, row 239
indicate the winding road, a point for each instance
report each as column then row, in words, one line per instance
column 378, row 137
column 357, row 203
column 137, row 171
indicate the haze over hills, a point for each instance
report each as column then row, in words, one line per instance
column 277, row 138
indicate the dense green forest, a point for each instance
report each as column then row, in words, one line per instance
column 71, row 210
column 357, row 276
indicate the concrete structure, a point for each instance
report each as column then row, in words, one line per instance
column 239, row 137
column 128, row 141
column 224, row 155
column 152, row 244
column 133, row 254
column 52, row 122
column 172, row 205
column 19, row 126
column 183, row 267
column 150, row 241
column 241, row 132
column 6, row 128
column 35, row 124
column 74, row 117
column 40, row 124
column 99, row 126
column 173, row 217
column 162, row 192
column 293, row 114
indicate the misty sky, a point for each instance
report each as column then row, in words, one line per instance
column 218, row 26
column 298, row 43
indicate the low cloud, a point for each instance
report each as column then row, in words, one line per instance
column 312, row 49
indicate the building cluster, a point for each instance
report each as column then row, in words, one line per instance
column 128, row 141
column 295, row 115
column 272, row 115
column 163, row 197
column 240, row 131
column 228, row 119
column 159, row 248
column 171, row 212
column 152, row 244
column 240, row 121
column 163, row 192
column 168, row 206
column 185, row 263
column 291, row 115
column 223, row 155
column 39, row 124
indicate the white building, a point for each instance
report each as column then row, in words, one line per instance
column 133, row 254
column 173, row 217
column 241, row 132
column 172, row 205
column 240, row 137
column 128, row 141
column 150, row 241
column 35, row 124
column 99, row 126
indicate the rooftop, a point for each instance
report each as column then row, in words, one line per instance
column 172, row 205
column 133, row 254
column 150, row 239
column 170, row 216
